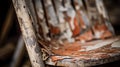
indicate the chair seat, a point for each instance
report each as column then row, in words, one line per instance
column 86, row 54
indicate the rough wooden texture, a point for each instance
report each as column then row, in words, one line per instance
column 25, row 21
column 87, row 54
column 41, row 19
column 66, row 37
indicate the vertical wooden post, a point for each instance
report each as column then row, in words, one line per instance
column 19, row 53
column 25, row 21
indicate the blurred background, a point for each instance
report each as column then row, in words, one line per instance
column 12, row 50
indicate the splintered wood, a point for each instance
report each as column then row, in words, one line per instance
column 75, row 29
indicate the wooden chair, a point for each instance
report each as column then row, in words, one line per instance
column 35, row 33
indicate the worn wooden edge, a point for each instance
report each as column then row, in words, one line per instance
column 84, row 63
column 25, row 22
column 75, row 61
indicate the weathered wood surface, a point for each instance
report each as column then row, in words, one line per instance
column 28, row 32
column 63, row 29
column 87, row 54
